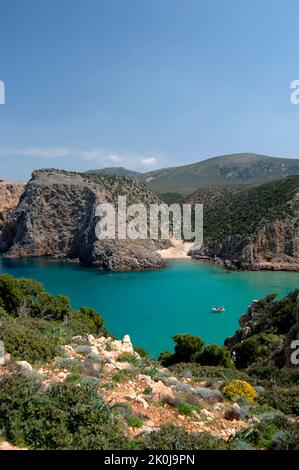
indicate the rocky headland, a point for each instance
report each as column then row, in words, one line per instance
column 252, row 228
column 56, row 216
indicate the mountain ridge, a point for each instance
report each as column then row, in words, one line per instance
column 231, row 169
column 243, row 168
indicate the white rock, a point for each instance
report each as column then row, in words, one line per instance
column 206, row 413
column 160, row 390
column 62, row 375
column 123, row 366
column 24, row 366
column 116, row 345
column 109, row 368
column 100, row 342
column 148, row 429
column 146, row 379
column 141, row 402
column 127, row 345
column 94, row 350
column 68, row 351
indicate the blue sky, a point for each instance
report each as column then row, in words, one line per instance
column 145, row 83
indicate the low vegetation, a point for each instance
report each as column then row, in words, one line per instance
column 34, row 323
column 190, row 348
column 242, row 212
column 239, row 388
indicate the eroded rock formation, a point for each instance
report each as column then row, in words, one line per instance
column 56, row 217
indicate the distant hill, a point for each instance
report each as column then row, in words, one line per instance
column 118, row 171
column 242, row 168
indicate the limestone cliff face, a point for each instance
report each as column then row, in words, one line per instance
column 273, row 246
column 56, row 217
column 10, row 192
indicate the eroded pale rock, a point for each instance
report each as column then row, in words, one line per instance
column 23, row 366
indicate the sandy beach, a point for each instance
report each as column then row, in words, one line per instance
column 179, row 250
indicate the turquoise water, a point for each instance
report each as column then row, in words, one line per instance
column 153, row 306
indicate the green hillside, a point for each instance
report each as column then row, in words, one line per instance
column 240, row 211
column 243, row 168
column 117, row 171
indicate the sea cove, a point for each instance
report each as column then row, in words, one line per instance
column 153, row 306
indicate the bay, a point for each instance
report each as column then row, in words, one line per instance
column 153, row 306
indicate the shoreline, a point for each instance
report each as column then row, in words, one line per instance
column 179, row 250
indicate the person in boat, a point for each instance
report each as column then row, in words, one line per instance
column 219, row 309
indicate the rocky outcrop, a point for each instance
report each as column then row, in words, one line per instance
column 56, row 217
column 267, row 332
column 273, row 246
column 10, row 192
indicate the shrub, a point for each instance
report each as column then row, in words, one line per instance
column 286, row 439
column 148, row 391
column 170, row 437
column 126, row 357
column 142, row 352
column 92, row 319
column 209, row 372
column 247, row 352
column 284, row 376
column 67, row 362
column 88, row 367
column 239, row 388
column 34, row 323
column 165, row 358
column 134, row 422
column 66, row 416
column 10, row 294
column 83, row 349
column 285, row 400
column 265, row 435
column 185, row 409
column 186, row 347
column 122, row 375
column 213, row 355
column 73, row 378
column 90, row 380
column 25, row 339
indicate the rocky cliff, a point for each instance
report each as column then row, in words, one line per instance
column 56, row 217
column 255, row 228
column 267, row 331
column 10, row 192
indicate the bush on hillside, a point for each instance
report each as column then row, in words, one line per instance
column 239, row 388
column 33, row 323
column 67, row 416
column 213, row 355
column 284, row 400
column 191, row 349
column 170, row 437
column 25, row 340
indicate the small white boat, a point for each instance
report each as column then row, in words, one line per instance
column 218, row 309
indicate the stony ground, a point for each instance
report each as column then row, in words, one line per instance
column 148, row 390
